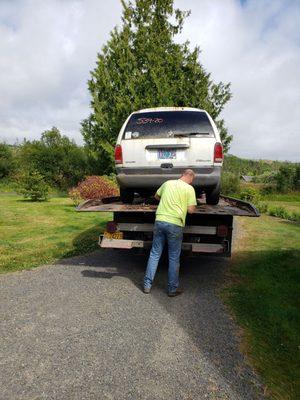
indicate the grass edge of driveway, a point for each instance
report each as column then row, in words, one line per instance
column 262, row 291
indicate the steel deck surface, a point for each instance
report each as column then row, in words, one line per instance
column 226, row 206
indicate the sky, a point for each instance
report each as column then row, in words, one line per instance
column 49, row 47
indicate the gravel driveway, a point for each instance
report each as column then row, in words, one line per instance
column 82, row 329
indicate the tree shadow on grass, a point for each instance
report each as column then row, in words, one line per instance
column 22, row 200
column 86, row 241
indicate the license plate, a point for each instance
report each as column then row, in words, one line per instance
column 115, row 235
column 166, row 154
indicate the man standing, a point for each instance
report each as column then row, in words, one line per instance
column 177, row 197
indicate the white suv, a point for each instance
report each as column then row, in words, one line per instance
column 157, row 144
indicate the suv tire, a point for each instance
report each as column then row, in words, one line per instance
column 126, row 196
column 213, row 195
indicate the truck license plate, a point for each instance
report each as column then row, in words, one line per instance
column 166, row 154
column 114, row 235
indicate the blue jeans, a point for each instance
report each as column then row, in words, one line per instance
column 164, row 231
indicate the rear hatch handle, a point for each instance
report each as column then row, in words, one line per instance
column 167, row 146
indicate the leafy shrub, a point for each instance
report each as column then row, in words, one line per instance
column 262, row 207
column 295, row 216
column 56, row 157
column 250, row 194
column 281, row 212
column 97, row 187
column 267, row 177
column 230, row 183
column 266, row 190
column 32, row 186
column 296, row 179
column 75, row 196
column 8, row 184
column 285, row 178
column 112, row 177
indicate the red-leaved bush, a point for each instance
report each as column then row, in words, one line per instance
column 74, row 195
column 97, row 187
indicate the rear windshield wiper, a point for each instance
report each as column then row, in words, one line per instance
column 190, row 133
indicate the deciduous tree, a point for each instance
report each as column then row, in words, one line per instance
column 55, row 157
column 7, row 164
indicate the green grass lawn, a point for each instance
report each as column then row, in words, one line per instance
column 293, row 197
column 32, row 234
column 290, row 201
column 291, row 206
column 264, row 296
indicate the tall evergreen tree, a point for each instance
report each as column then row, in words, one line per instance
column 142, row 66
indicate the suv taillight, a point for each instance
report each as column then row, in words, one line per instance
column 218, row 153
column 118, row 154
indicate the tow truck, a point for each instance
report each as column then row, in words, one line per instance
column 208, row 231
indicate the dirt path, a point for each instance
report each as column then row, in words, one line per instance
column 83, row 329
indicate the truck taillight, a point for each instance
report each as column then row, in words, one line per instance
column 218, row 153
column 118, row 154
column 222, row 230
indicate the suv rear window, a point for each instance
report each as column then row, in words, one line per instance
column 163, row 124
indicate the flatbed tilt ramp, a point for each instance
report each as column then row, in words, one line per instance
column 207, row 231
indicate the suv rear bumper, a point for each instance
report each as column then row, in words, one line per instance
column 152, row 178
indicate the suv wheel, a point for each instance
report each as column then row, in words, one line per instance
column 127, row 196
column 213, row 195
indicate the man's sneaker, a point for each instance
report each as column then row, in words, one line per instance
column 176, row 293
column 146, row 290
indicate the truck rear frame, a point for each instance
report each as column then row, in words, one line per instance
column 207, row 232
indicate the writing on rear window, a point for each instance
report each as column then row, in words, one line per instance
column 142, row 121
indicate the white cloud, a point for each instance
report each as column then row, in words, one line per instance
column 256, row 48
column 47, row 51
column 48, row 48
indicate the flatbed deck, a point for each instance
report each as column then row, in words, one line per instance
column 226, row 206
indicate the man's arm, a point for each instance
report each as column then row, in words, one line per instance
column 192, row 201
column 191, row 209
column 159, row 191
